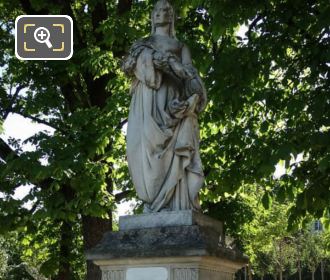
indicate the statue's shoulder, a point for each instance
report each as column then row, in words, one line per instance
column 139, row 45
column 145, row 41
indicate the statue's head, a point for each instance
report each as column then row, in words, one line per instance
column 162, row 14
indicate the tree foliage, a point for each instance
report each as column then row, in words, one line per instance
column 13, row 266
column 274, row 250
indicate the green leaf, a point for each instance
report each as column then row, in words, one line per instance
column 266, row 200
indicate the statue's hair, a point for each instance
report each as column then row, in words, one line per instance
column 162, row 3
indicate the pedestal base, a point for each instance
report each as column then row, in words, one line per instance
column 192, row 268
column 190, row 247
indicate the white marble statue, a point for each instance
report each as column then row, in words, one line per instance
column 163, row 133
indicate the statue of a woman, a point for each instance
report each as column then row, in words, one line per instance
column 163, row 133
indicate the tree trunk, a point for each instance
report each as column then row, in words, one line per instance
column 313, row 275
column 65, row 272
column 281, row 258
column 245, row 274
column 250, row 272
column 93, row 230
column 322, row 270
column 299, row 269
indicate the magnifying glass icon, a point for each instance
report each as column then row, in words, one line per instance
column 41, row 35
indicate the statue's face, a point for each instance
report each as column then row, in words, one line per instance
column 163, row 15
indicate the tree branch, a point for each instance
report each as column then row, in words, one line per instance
column 121, row 124
column 6, row 151
column 41, row 121
column 124, row 6
column 28, row 9
column 10, row 106
column 253, row 25
column 120, row 196
column 99, row 14
column 96, row 88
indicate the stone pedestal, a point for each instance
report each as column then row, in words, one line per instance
column 182, row 245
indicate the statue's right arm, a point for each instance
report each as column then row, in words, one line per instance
column 129, row 63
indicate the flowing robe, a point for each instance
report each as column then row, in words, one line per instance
column 162, row 134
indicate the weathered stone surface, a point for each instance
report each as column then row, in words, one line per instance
column 147, row 273
column 162, row 132
column 175, row 268
column 186, row 273
column 168, row 219
column 176, row 241
column 189, row 247
column 113, row 274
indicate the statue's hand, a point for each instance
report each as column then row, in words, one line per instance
column 195, row 86
column 190, row 73
column 160, row 60
column 159, row 56
column 193, row 82
column 178, row 69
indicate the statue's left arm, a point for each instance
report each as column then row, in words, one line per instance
column 193, row 82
